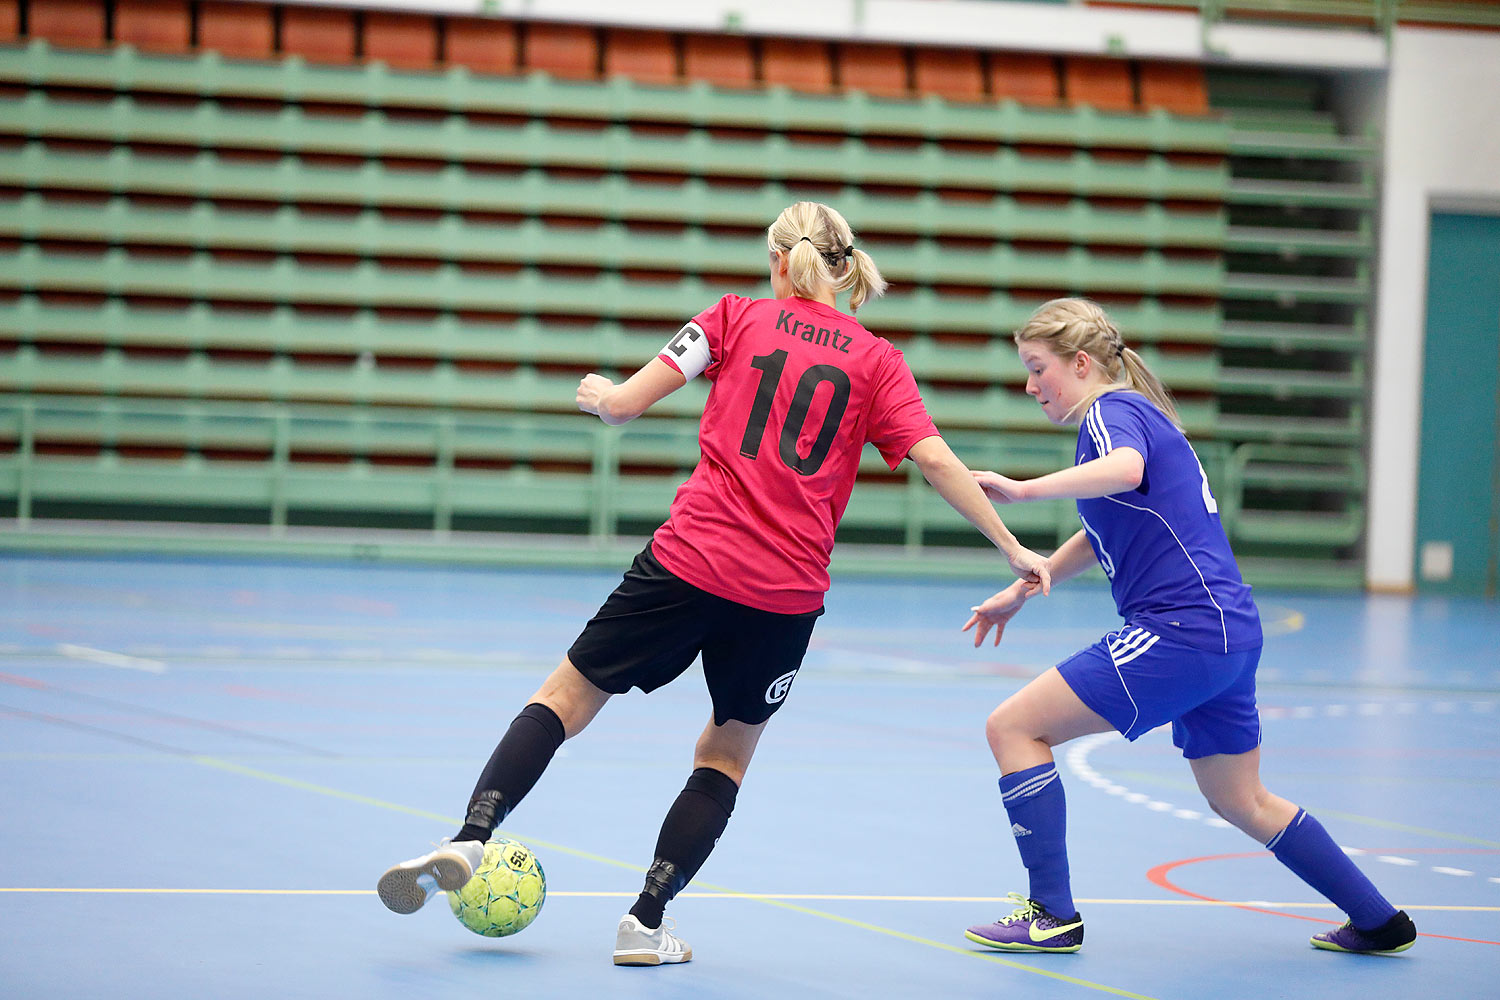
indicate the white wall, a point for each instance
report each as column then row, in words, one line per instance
column 1442, row 149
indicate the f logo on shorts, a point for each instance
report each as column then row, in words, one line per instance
column 779, row 687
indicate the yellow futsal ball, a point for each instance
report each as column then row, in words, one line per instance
column 506, row 892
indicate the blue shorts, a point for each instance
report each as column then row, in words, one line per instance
column 1138, row 680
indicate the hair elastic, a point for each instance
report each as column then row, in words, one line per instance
column 830, row 259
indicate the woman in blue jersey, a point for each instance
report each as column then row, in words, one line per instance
column 1186, row 654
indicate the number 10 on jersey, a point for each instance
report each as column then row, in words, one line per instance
column 771, row 367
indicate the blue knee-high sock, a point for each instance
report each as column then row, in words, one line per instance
column 1307, row 849
column 1039, row 821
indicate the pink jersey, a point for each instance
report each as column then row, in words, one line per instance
column 798, row 388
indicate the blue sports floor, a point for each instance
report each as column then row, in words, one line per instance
column 205, row 766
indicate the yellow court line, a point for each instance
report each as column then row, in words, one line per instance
column 1290, row 621
column 755, row 896
column 308, row 786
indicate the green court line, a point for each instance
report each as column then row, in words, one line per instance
column 1345, row 779
column 308, row 786
column 1404, row 828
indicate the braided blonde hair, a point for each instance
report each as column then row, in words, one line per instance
column 1068, row 326
column 819, row 247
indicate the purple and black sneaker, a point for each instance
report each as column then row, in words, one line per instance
column 1030, row 928
column 1396, row 934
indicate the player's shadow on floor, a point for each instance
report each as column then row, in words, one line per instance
column 498, row 954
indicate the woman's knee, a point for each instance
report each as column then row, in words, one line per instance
column 1240, row 806
column 727, row 748
column 1006, row 726
column 1214, row 806
column 734, row 770
column 572, row 697
column 729, row 760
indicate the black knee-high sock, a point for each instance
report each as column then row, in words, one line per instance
column 688, row 835
column 518, row 761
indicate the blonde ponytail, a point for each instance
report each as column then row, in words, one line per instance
column 820, row 253
column 1068, row 326
column 861, row 280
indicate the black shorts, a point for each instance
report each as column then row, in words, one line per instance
column 655, row 624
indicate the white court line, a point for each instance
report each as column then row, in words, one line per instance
column 1077, row 760
column 110, row 659
column 813, row 896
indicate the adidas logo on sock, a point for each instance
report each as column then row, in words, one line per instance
column 1017, row 830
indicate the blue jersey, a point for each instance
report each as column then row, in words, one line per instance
column 1162, row 544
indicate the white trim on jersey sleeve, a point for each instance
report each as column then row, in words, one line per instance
column 688, row 351
column 1094, row 421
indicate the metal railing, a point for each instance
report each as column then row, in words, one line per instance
column 1379, row 16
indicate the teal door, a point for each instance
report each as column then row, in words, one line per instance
column 1458, row 492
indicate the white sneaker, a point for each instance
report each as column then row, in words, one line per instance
column 405, row 887
column 638, row 945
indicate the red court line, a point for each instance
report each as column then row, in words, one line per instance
column 1158, row 876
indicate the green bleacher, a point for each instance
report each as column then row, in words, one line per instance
column 610, row 246
column 289, row 294
column 533, row 192
column 1299, row 256
column 208, row 75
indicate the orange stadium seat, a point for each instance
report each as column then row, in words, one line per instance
column 318, row 34
column 1176, row 87
column 10, row 19
column 403, row 41
column 481, row 44
column 1025, row 76
column 952, row 74
column 154, row 25
column 240, row 30
column 798, row 63
column 67, row 22
column 876, row 69
column 1103, row 83
column 722, row 60
column 647, row 56
column 570, row 51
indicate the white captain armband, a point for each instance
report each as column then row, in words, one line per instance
column 689, row 351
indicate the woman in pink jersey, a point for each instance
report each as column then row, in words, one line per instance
column 738, row 571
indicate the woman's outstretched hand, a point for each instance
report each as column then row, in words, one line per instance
column 997, row 611
column 1000, row 489
column 1033, row 569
